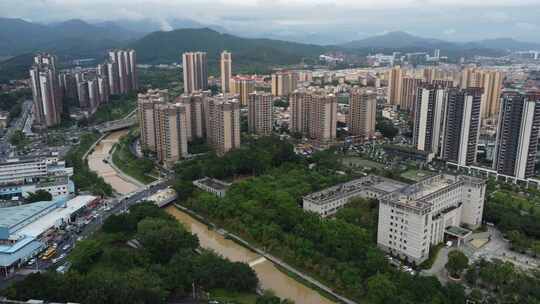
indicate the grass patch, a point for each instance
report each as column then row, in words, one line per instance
column 415, row 175
column 433, row 253
column 117, row 108
column 129, row 163
column 84, row 178
column 358, row 162
column 225, row 296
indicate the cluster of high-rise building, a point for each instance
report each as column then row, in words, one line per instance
column 284, row 83
column 403, row 85
column 517, row 134
column 447, row 125
column 167, row 126
column 447, row 122
column 88, row 88
column 46, row 91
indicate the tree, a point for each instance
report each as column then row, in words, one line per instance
column 184, row 189
column 85, row 254
column 18, row 139
column 39, row 196
column 163, row 238
column 386, row 128
column 457, row 262
column 535, row 247
column 518, row 240
column 380, row 289
column 122, row 223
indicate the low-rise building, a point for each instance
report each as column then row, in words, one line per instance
column 429, row 212
column 328, row 201
column 212, row 185
column 22, row 226
column 19, row 177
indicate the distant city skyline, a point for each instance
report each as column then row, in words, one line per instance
column 344, row 20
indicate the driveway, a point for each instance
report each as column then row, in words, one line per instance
column 437, row 269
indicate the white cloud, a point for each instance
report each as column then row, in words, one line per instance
column 527, row 26
column 449, row 32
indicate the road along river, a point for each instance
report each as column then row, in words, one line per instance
column 269, row 276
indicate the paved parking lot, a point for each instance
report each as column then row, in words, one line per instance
column 499, row 248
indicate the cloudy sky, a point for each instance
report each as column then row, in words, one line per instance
column 339, row 20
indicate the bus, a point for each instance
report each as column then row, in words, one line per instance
column 51, row 251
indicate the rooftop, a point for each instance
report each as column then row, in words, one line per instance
column 374, row 183
column 51, row 219
column 418, row 196
column 11, row 216
column 213, row 183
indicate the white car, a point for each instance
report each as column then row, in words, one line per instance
column 66, row 247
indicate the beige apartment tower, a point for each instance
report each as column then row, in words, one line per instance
column 395, row 81
column 260, row 113
column 171, row 132
column 314, row 114
column 195, row 69
column 362, row 112
column 409, row 89
column 284, row 83
column 147, row 117
column 226, row 71
column 242, row 87
column 223, row 123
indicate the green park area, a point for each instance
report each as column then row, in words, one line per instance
column 118, row 107
column 142, row 170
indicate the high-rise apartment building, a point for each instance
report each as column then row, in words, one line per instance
column 428, row 118
column 409, row 90
column 284, row 83
column 103, row 87
column 395, row 83
column 172, row 126
column 492, row 85
column 226, row 71
column 68, row 85
column 122, row 71
column 46, row 91
column 517, row 134
column 94, row 98
column 491, row 82
column 242, row 86
column 83, row 94
column 461, row 126
column 260, row 113
column 195, row 70
column 113, row 78
column 314, row 114
column 197, row 113
column 223, row 123
column 362, row 112
column 147, row 104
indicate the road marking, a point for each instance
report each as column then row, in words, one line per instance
column 257, row 261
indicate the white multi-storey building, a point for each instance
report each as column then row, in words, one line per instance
column 429, row 212
column 19, row 177
column 328, row 201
